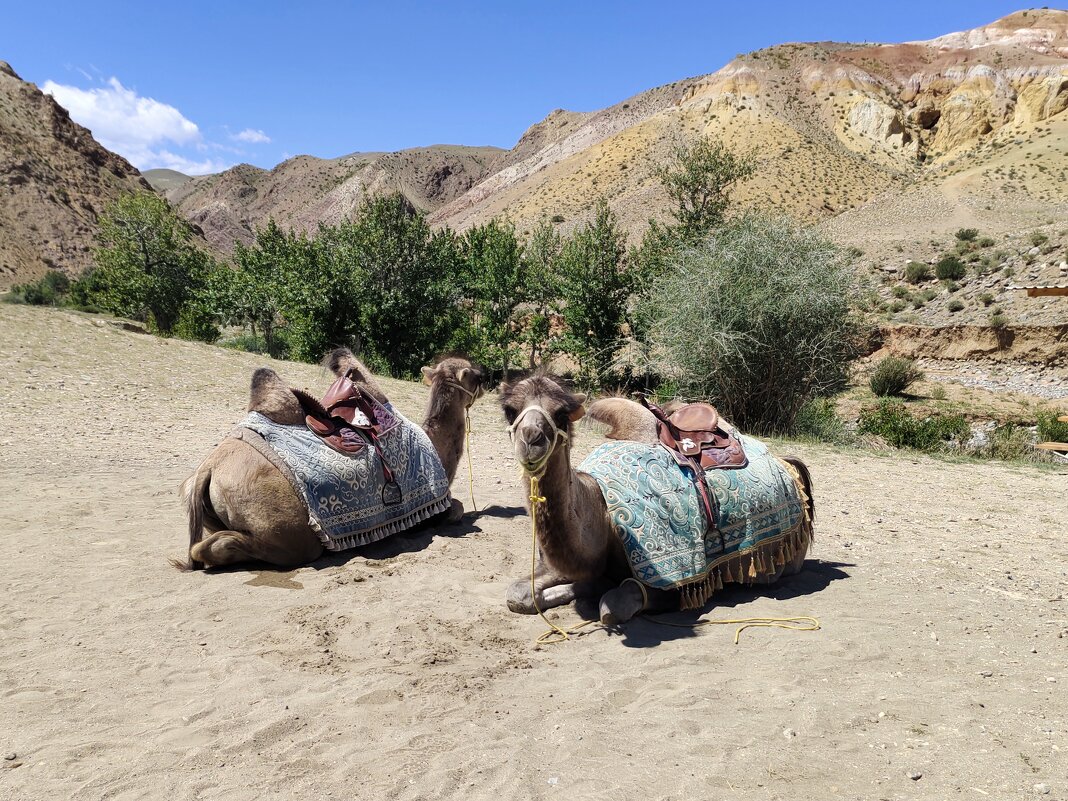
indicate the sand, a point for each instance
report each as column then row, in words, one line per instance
column 396, row 672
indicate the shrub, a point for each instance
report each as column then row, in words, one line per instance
column 955, row 306
column 817, row 420
column 897, row 306
column 1037, row 238
column 892, row 421
column 900, row 292
column 50, row 290
column 967, row 234
column 1049, row 428
column 986, row 298
column 558, row 218
column 985, row 242
column 917, row 271
column 952, row 286
column 997, row 320
column 893, row 375
column 949, row 266
column 756, row 318
column 938, row 393
column 1007, row 442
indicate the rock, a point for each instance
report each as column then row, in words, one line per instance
column 1042, row 788
column 11, row 756
column 915, row 775
column 788, row 733
column 986, row 674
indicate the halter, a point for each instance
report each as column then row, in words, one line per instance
column 462, row 389
column 558, row 435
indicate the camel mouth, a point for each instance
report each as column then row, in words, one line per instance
column 535, row 467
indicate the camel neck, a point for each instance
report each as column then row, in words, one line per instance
column 561, row 520
column 445, row 424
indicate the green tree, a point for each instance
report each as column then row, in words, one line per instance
column 596, row 284
column 147, row 265
column 543, row 291
column 757, row 319
column 699, row 179
column 410, row 284
column 258, row 290
column 496, row 281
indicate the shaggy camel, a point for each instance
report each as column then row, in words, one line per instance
column 250, row 510
column 580, row 553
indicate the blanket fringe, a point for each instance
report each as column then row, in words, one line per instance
column 764, row 560
column 376, row 534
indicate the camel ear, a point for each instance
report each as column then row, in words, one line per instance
column 463, row 374
column 580, row 410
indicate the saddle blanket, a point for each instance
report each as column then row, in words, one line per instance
column 655, row 510
column 344, row 493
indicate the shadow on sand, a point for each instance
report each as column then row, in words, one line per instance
column 416, row 539
column 645, row 632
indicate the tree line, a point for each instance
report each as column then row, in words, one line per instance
column 400, row 292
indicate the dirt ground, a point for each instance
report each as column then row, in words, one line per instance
column 396, row 672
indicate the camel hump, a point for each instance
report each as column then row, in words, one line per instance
column 626, row 420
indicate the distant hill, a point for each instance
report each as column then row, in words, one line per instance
column 304, row 191
column 55, row 179
column 163, row 180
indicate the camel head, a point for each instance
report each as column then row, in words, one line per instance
column 271, row 397
column 454, row 373
column 540, row 412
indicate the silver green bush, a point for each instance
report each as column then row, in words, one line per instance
column 757, row 319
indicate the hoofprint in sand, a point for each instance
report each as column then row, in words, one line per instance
column 397, row 672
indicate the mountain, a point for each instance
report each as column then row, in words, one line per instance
column 163, row 180
column 895, row 140
column 55, row 179
column 304, row 191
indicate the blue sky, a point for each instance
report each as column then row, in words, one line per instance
column 203, row 85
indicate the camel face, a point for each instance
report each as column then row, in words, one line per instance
column 539, row 412
column 457, row 372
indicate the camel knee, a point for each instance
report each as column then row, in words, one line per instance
column 222, row 548
column 519, row 598
column 620, row 604
column 456, row 511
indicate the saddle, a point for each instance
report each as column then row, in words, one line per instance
column 348, row 420
column 698, row 440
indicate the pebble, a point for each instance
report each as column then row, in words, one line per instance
column 1042, row 788
column 915, row 775
column 10, row 756
column 552, row 781
column 788, row 733
column 986, row 674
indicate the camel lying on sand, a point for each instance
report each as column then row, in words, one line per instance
column 251, row 511
column 580, row 553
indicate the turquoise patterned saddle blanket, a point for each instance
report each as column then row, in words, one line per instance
column 655, row 510
column 344, row 492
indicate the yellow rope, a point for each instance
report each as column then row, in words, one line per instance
column 470, row 466
column 800, row 623
column 555, row 633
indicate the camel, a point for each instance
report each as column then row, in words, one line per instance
column 580, row 553
column 250, row 510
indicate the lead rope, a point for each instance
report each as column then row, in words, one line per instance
column 470, row 464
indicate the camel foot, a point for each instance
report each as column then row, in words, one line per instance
column 621, row 604
column 455, row 513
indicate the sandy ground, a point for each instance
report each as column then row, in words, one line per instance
column 397, row 672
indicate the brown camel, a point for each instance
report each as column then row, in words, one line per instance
column 580, row 554
column 248, row 507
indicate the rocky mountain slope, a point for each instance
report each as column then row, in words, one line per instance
column 304, row 191
column 55, row 179
column 893, row 140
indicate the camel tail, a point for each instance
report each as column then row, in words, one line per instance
column 806, row 479
column 195, row 489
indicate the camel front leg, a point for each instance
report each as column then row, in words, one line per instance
column 552, row 588
column 621, row 603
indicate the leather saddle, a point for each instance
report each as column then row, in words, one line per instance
column 349, row 420
column 695, row 432
column 698, row 440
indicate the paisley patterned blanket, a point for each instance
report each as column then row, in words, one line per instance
column 344, row 493
column 760, row 509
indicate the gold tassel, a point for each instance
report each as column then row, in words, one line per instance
column 752, row 568
column 719, row 581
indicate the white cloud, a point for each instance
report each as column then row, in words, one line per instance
column 136, row 127
column 252, row 136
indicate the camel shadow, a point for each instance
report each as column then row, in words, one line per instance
column 648, row 632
